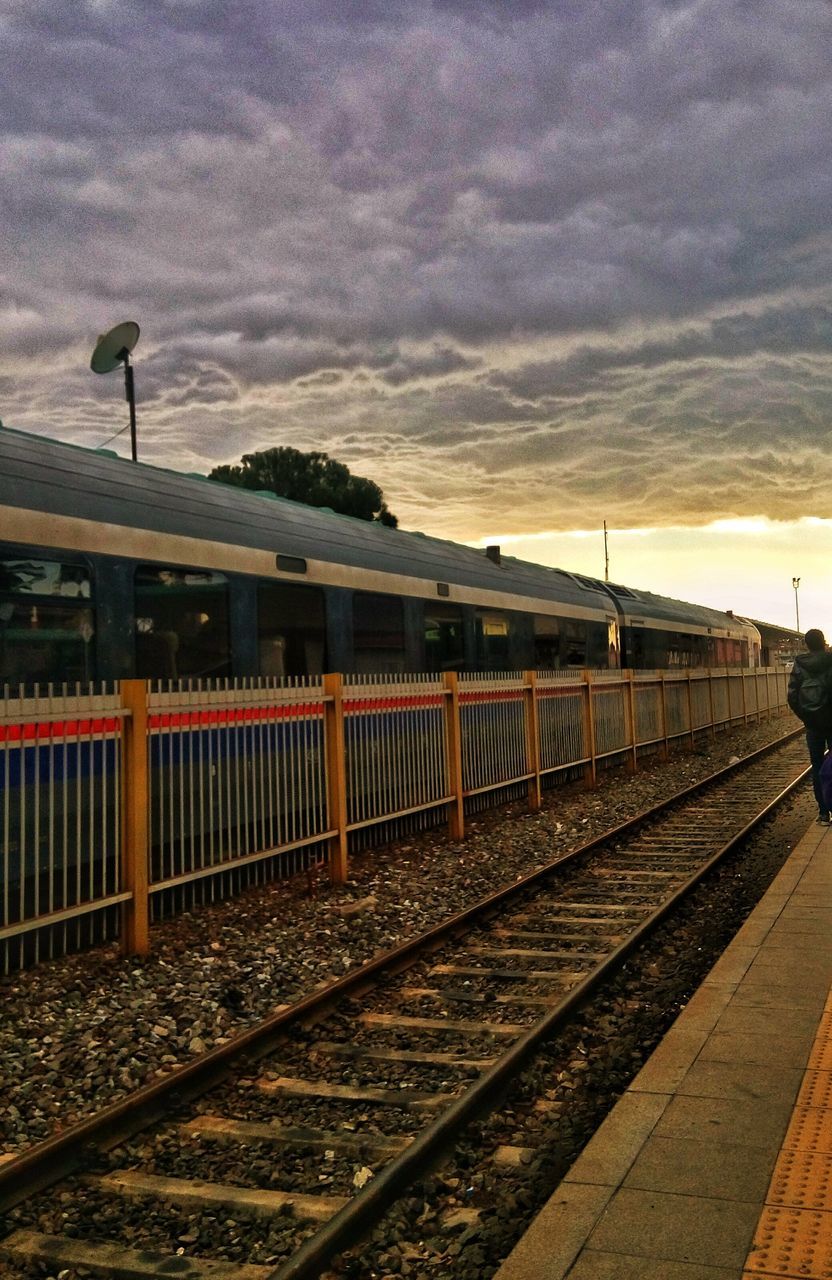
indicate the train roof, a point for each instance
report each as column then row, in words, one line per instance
column 62, row 479
column 42, row 474
column 636, row 603
column 773, row 630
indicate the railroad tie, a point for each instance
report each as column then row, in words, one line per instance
column 416, row 1057
column 61, row 1252
column 220, row 1129
column 184, row 1191
column 407, row 1099
column 474, row 997
column 400, row 1022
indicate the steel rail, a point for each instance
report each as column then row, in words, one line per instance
column 350, row 1224
column 62, row 1153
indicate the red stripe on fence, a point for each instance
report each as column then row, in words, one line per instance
column 407, row 702
column 492, row 695
column 218, row 717
column 48, row 730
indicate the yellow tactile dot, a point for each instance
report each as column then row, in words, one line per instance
column 792, row 1243
column 816, row 1089
column 802, row 1180
column 810, row 1129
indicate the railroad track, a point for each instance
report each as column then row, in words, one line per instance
column 267, row 1156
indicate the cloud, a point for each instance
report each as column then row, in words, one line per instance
column 520, row 261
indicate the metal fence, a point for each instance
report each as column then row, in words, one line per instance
column 237, row 771
column 61, row 782
column 118, row 806
column 394, row 736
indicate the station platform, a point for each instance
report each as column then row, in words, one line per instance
column 716, row 1164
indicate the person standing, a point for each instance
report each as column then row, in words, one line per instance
column 810, row 698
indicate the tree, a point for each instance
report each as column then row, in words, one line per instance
column 313, row 478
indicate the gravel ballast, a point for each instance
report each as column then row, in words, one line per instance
column 79, row 1033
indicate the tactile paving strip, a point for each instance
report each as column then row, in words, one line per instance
column 816, row 1089
column 802, row 1180
column 792, row 1242
column 794, row 1235
column 810, row 1129
column 820, row 1059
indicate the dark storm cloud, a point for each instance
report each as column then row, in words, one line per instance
column 786, row 331
column 511, row 259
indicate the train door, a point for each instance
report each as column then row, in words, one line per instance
column 613, row 644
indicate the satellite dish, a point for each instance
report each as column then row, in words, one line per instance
column 115, row 346
column 111, row 350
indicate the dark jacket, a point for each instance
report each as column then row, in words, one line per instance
column 811, row 664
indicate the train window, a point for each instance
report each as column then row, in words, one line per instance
column 493, row 636
column 45, row 641
column 46, row 630
column 291, row 630
column 546, row 642
column 181, row 623
column 444, row 642
column 378, row 634
column 25, row 577
column 573, row 651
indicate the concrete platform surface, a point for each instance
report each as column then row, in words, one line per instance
column 708, row 1166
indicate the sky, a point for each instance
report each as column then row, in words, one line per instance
column 528, row 265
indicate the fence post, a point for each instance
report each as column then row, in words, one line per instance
column 135, row 913
column 744, row 704
column 532, row 738
column 629, row 675
column 692, row 731
column 453, row 738
column 336, row 775
column 590, row 770
column 711, row 700
column 666, row 746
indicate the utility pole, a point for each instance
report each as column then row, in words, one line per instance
column 796, row 584
column 606, row 556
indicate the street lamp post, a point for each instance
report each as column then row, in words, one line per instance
column 796, row 584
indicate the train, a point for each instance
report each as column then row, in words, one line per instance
column 112, row 569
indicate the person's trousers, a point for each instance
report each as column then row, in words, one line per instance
column 817, row 740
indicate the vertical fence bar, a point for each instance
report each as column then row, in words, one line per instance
column 453, row 731
column 711, row 701
column 665, row 751
column 630, row 695
column 336, row 774
column 135, row 915
column 590, row 771
column 532, row 738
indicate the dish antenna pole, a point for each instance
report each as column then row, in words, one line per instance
column 606, row 556
column 796, row 584
column 111, row 350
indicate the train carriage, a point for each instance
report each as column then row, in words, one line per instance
column 111, row 569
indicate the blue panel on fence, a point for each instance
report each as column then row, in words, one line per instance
column 57, row 762
column 182, row 745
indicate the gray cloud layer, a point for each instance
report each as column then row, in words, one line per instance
column 527, row 264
